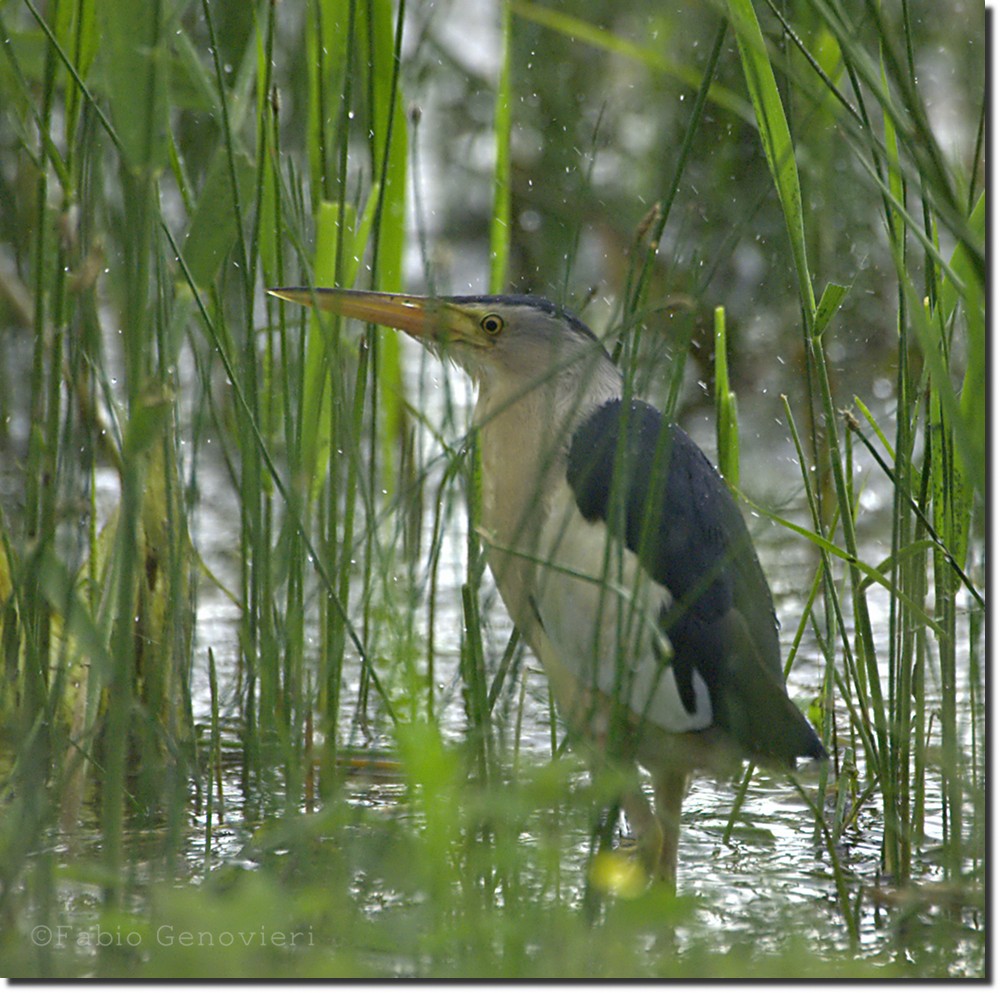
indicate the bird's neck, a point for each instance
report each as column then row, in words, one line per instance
column 525, row 436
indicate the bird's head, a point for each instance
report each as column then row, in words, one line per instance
column 506, row 343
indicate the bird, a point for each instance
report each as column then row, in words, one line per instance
column 618, row 550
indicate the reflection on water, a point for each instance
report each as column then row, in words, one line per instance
column 772, row 876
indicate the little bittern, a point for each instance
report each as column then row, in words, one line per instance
column 617, row 548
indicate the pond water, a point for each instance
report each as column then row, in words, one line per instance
column 773, row 877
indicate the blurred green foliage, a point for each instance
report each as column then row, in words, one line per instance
column 160, row 165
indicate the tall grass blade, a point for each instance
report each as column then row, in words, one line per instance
column 500, row 217
column 726, row 419
column 775, row 137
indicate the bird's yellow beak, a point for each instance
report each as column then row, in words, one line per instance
column 425, row 318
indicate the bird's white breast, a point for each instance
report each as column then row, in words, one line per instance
column 585, row 605
column 600, row 613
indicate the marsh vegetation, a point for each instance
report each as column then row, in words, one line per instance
column 262, row 712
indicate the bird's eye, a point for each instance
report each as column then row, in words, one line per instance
column 492, row 324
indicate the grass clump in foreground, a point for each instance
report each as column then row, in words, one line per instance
column 449, row 882
column 163, row 165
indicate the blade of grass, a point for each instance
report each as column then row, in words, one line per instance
column 500, row 217
column 726, row 420
column 775, row 138
column 591, row 34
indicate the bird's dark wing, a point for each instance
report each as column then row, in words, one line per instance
column 660, row 493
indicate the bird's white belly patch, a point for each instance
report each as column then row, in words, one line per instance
column 600, row 611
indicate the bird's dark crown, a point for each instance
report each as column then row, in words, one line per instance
column 543, row 304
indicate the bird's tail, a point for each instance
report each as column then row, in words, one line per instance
column 755, row 708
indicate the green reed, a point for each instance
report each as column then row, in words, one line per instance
column 934, row 496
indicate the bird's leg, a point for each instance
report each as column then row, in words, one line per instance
column 669, row 788
column 646, row 826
